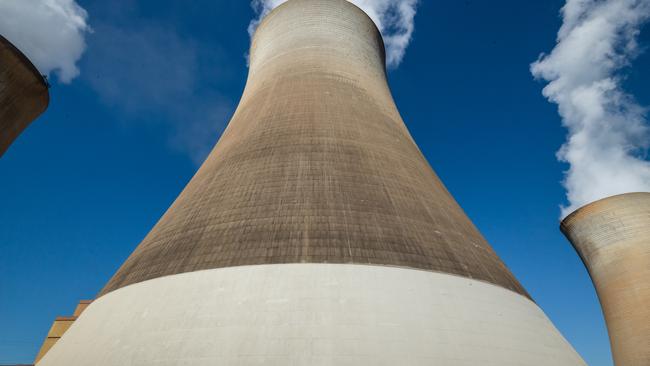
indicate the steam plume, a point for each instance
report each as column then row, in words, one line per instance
column 186, row 101
column 394, row 18
column 608, row 134
column 50, row 32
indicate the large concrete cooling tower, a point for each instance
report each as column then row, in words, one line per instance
column 315, row 233
column 612, row 237
column 23, row 93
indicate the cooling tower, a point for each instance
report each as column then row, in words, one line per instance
column 23, row 93
column 612, row 236
column 315, row 233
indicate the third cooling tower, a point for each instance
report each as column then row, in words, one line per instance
column 612, row 236
column 315, row 233
column 23, row 93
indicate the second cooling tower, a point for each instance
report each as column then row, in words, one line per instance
column 23, row 93
column 612, row 236
column 315, row 233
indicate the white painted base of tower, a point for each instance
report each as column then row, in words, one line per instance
column 312, row 314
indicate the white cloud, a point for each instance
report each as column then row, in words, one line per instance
column 149, row 72
column 394, row 18
column 49, row 32
column 608, row 133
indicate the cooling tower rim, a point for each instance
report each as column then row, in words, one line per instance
column 594, row 206
column 266, row 17
column 25, row 60
column 525, row 294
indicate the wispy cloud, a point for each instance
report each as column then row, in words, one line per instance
column 609, row 136
column 50, row 32
column 149, row 72
column 394, row 18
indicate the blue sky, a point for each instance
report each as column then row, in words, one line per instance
column 83, row 185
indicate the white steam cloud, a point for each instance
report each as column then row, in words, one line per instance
column 608, row 138
column 394, row 18
column 49, row 32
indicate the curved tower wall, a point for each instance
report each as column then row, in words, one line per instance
column 23, row 93
column 612, row 236
column 315, row 233
column 316, row 165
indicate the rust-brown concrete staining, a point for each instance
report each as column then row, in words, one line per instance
column 23, row 93
column 315, row 166
column 612, row 237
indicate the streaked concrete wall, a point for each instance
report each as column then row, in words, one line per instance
column 316, row 165
column 612, row 237
column 312, row 314
column 23, row 93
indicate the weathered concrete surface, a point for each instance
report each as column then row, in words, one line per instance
column 23, row 93
column 312, row 315
column 612, row 237
column 316, row 166
column 315, row 233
